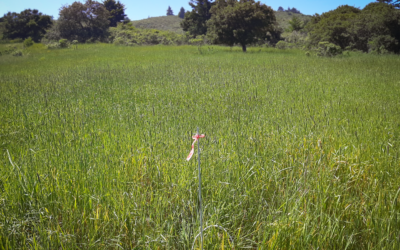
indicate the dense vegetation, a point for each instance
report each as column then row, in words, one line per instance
column 240, row 22
column 28, row 23
column 376, row 28
column 300, row 152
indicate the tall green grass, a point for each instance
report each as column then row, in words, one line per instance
column 300, row 152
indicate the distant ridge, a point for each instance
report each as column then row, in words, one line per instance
column 168, row 23
column 172, row 23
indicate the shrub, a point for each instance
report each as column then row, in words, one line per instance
column 382, row 44
column 17, row 40
column 17, row 53
column 328, row 49
column 281, row 45
column 53, row 45
column 63, row 43
column 28, row 42
column 126, row 34
column 197, row 41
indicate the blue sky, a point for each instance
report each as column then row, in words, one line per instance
column 140, row 9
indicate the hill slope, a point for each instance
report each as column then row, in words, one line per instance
column 169, row 23
column 172, row 23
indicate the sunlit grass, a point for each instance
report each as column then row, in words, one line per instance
column 98, row 137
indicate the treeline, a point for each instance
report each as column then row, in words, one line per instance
column 241, row 22
column 376, row 28
column 291, row 10
column 89, row 21
column 373, row 29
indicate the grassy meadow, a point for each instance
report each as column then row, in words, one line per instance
column 300, row 152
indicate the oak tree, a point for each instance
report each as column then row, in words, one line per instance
column 28, row 23
column 240, row 22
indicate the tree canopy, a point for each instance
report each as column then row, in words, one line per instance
column 82, row 22
column 28, row 23
column 395, row 3
column 116, row 10
column 169, row 11
column 182, row 13
column 240, row 22
column 295, row 24
column 195, row 20
column 374, row 28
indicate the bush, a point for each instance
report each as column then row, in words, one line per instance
column 17, row 40
column 382, row 44
column 328, row 49
column 126, row 34
column 53, row 45
column 284, row 45
column 197, row 41
column 9, row 50
column 28, row 42
column 17, row 53
column 63, row 43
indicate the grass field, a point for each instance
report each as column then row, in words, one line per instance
column 300, row 152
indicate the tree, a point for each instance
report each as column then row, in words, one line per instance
column 333, row 26
column 240, row 22
column 295, row 24
column 82, row 22
column 376, row 28
column 281, row 8
column 182, row 13
column 116, row 10
column 195, row 20
column 169, row 11
column 395, row 3
column 28, row 23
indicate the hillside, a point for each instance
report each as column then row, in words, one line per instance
column 168, row 23
column 172, row 23
column 283, row 18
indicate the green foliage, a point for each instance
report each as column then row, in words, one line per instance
column 82, row 22
column 283, row 19
column 295, row 24
column 169, row 11
column 63, row 43
column 127, row 34
column 116, row 11
column 195, row 21
column 283, row 45
column 394, row 3
column 333, row 26
column 377, row 25
column 53, row 45
column 28, row 23
column 17, row 53
column 182, row 13
column 28, row 42
column 8, row 49
column 240, row 22
column 328, row 49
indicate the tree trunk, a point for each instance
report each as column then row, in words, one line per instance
column 244, row 47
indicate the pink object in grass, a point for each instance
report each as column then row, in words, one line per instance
column 195, row 138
